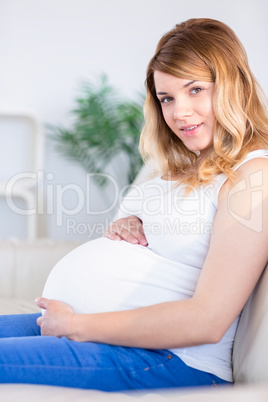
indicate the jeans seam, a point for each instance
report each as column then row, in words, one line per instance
column 19, row 366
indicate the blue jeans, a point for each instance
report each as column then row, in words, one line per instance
column 27, row 357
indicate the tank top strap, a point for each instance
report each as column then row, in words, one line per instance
column 221, row 179
column 259, row 153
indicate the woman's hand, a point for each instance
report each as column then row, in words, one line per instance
column 129, row 229
column 57, row 318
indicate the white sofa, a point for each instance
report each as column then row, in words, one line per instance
column 24, row 267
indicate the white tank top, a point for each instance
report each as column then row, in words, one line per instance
column 179, row 228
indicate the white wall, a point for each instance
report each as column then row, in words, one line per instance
column 48, row 46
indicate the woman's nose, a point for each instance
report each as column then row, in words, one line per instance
column 182, row 110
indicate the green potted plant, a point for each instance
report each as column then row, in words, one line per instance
column 105, row 127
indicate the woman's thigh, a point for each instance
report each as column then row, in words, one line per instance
column 17, row 325
column 59, row 361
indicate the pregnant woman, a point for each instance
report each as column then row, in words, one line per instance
column 159, row 307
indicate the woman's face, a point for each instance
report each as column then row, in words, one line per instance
column 187, row 109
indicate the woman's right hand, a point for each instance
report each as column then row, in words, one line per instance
column 129, row 229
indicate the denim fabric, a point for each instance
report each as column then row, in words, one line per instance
column 27, row 357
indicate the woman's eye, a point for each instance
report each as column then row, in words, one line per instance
column 196, row 90
column 166, row 99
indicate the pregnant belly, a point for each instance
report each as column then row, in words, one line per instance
column 104, row 275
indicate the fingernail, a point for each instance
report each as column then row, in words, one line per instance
column 134, row 241
column 143, row 242
column 37, row 299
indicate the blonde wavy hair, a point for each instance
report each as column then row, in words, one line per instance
column 206, row 50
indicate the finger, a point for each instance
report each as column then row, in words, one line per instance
column 112, row 235
column 39, row 321
column 138, row 233
column 135, row 228
column 42, row 302
column 126, row 235
column 143, row 241
column 118, row 232
column 129, row 229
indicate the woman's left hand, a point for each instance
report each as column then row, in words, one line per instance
column 57, row 318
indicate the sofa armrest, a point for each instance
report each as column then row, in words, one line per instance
column 25, row 265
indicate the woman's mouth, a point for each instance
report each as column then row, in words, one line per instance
column 190, row 129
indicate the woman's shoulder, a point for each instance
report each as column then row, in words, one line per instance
column 251, row 171
column 252, row 176
column 254, row 161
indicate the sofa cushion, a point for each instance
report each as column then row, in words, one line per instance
column 250, row 355
column 41, row 393
column 17, row 306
